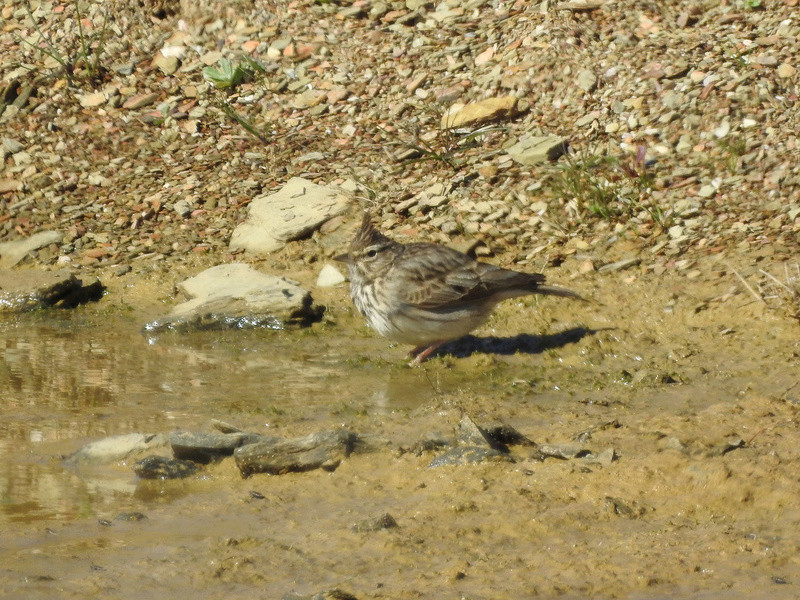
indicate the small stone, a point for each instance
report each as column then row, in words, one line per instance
column 159, row 467
column 384, row 521
column 722, row 130
column 167, row 64
column 538, row 149
column 785, row 70
column 675, row 232
column 92, row 100
column 587, row 81
column 330, row 276
column 483, row 111
column 484, row 57
column 707, row 191
column 12, row 145
column 140, row 101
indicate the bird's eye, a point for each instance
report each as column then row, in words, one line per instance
column 372, row 253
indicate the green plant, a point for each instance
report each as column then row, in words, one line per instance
column 439, row 143
column 735, row 148
column 85, row 52
column 227, row 76
column 607, row 187
column 241, row 120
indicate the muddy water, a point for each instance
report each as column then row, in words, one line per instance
column 693, row 392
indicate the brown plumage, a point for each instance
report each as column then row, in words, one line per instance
column 426, row 294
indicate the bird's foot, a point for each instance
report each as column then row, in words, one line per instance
column 421, row 353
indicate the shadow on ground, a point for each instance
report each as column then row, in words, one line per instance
column 523, row 343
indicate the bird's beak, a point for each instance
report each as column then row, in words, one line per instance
column 345, row 258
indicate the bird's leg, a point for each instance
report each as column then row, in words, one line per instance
column 421, row 353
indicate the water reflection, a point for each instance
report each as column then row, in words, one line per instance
column 66, row 380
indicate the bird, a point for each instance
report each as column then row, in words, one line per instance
column 426, row 294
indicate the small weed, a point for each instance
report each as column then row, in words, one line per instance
column 243, row 121
column 607, row 187
column 227, row 76
column 783, row 291
column 442, row 144
column 734, row 148
column 83, row 54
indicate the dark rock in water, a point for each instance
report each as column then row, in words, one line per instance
column 237, row 296
column 505, row 434
column 385, row 521
column 206, row 447
column 470, row 434
column 160, row 467
column 431, row 441
column 334, row 594
column 116, row 447
column 22, row 291
column 276, row 456
column 468, row 455
column 130, row 517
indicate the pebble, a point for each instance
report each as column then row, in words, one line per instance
column 330, row 276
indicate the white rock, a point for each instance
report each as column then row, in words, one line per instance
column 292, row 213
column 330, row 276
column 13, row 252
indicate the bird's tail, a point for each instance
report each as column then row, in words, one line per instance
column 554, row 290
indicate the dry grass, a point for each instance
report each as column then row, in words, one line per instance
column 782, row 291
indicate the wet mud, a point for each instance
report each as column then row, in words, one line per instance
column 694, row 388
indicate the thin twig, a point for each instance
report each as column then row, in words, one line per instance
column 776, row 280
column 747, row 285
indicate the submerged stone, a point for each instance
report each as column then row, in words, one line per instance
column 160, row 467
column 276, row 456
column 469, row 455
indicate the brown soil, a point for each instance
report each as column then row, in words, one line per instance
column 685, row 363
column 699, row 406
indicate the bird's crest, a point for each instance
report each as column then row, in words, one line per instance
column 367, row 235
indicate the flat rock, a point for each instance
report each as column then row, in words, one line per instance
column 534, row 150
column 14, row 251
column 276, row 456
column 207, row 447
column 294, row 212
column 384, row 521
column 565, row 451
column 116, row 447
column 238, row 296
column 22, row 291
column 483, row 111
column 468, row 433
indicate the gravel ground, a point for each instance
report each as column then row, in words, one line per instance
column 682, row 119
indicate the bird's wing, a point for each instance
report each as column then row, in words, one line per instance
column 439, row 277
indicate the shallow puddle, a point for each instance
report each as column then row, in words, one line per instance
column 698, row 407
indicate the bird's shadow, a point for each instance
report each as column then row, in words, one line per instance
column 523, row 343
